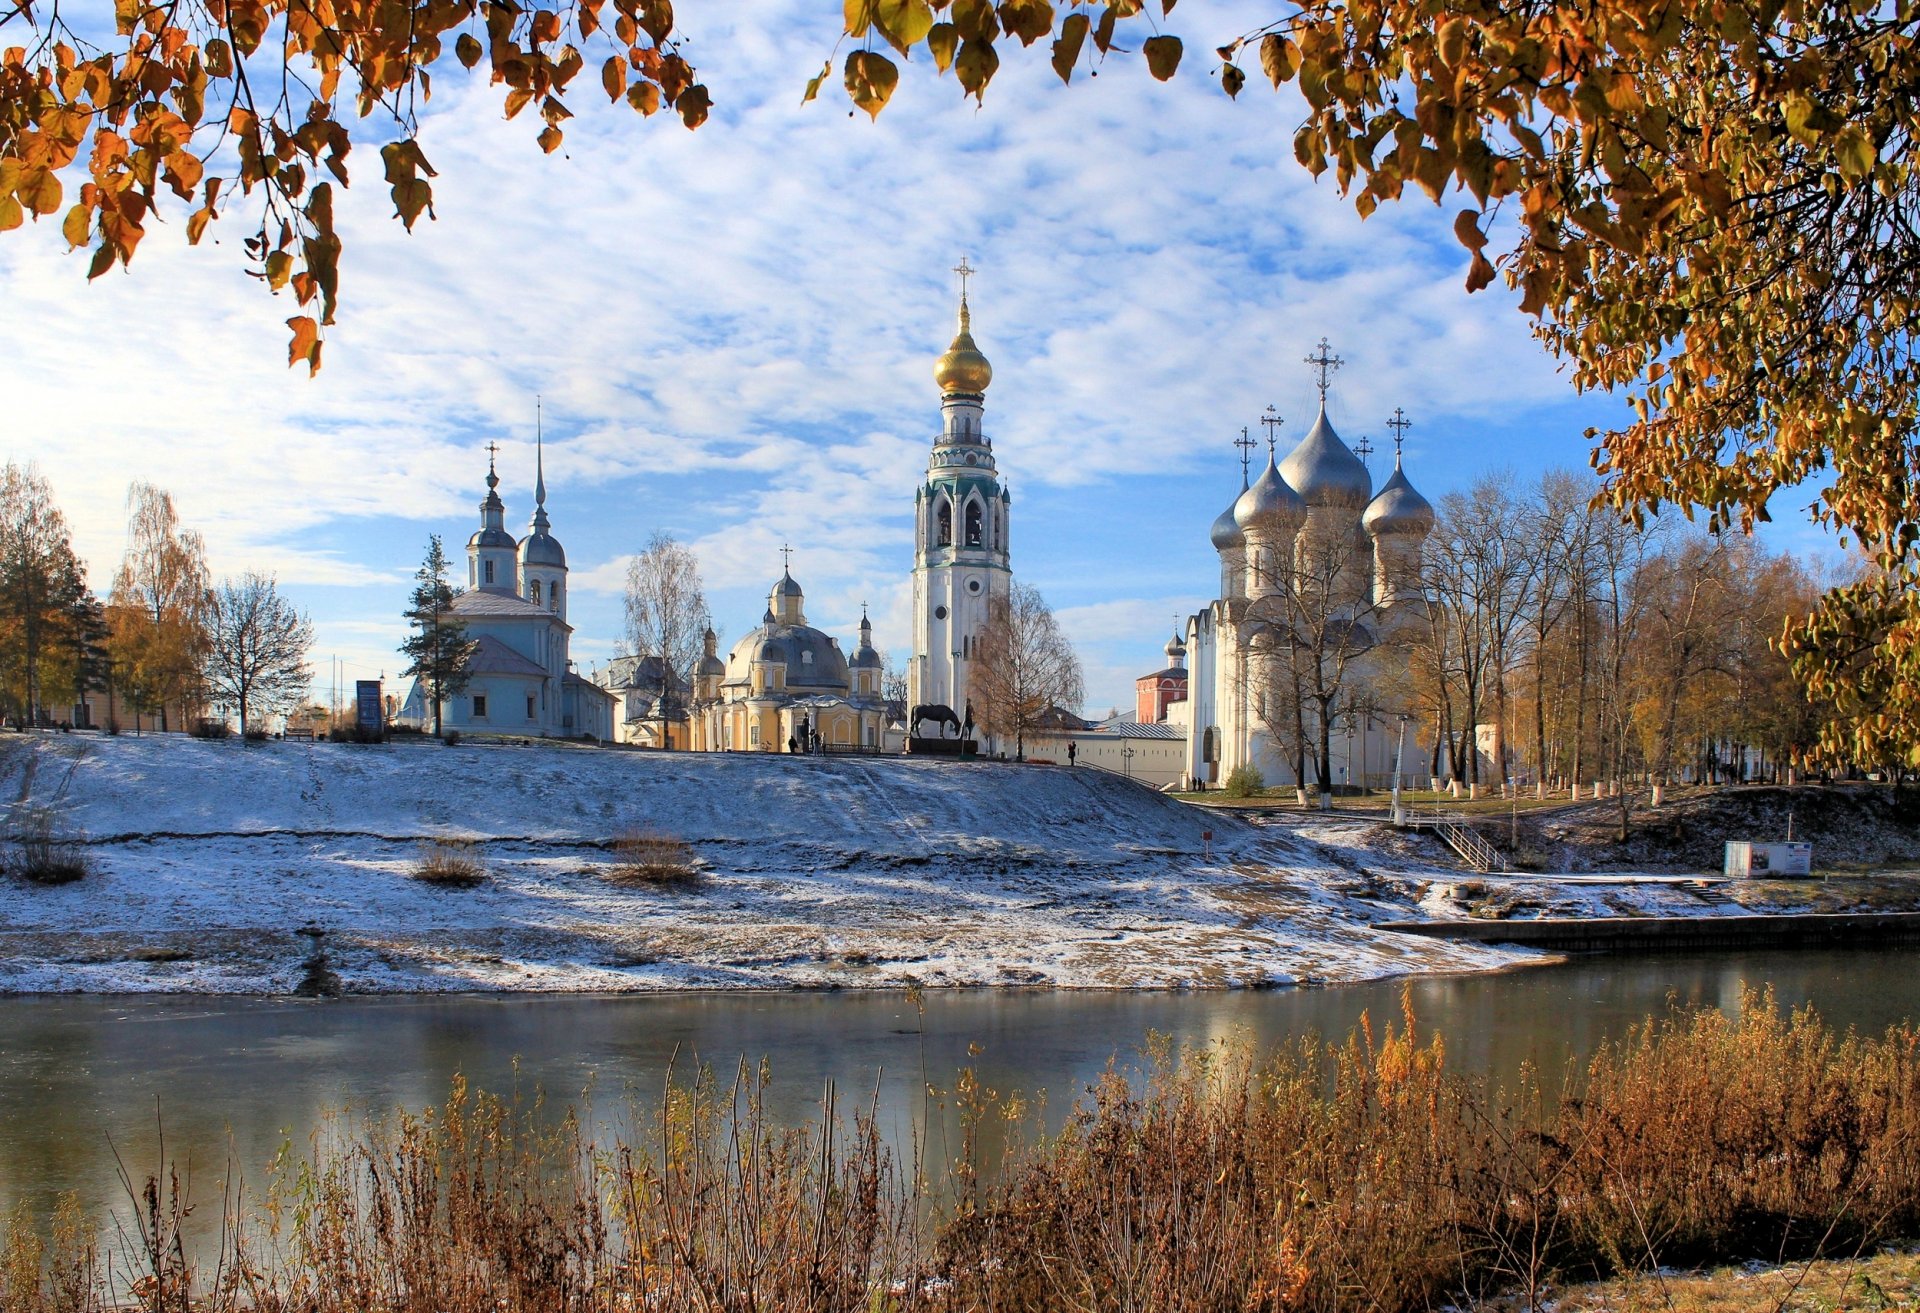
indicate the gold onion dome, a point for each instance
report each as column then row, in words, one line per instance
column 963, row 368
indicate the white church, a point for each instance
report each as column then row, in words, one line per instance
column 515, row 605
column 1308, row 545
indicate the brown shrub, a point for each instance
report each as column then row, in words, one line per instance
column 41, row 853
column 651, row 857
column 1358, row 1175
column 452, row 863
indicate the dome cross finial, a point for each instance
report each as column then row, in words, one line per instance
column 493, row 477
column 1273, row 422
column 786, row 559
column 1399, row 424
column 965, row 271
column 1364, row 449
column 1246, row 445
column 1324, row 363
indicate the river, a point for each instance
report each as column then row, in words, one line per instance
column 82, row 1077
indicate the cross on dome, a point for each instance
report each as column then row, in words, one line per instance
column 965, row 271
column 1363, row 448
column 1324, row 363
column 493, row 478
column 786, row 559
column 1399, row 424
column 1273, row 422
column 1246, row 445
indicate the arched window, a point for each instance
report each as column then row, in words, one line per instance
column 973, row 524
column 489, row 568
column 535, row 585
column 944, row 535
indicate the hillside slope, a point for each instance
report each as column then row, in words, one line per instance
column 228, row 868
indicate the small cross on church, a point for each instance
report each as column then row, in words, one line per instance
column 1273, row 422
column 786, row 559
column 1364, row 449
column 965, row 271
column 1246, row 445
column 492, row 449
column 1325, row 363
column 1399, row 424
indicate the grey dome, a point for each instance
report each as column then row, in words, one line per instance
column 1226, row 534
column 542, row 548
column 866, row 659
column 711, row 665
column 814, row 662
column 787, row 587
column 491, row 538
column 1398, row 508
column 1271, row 499
column 1325, row 470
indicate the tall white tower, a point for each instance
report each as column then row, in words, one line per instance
column 961, row 528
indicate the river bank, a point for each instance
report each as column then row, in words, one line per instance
column 275, row 868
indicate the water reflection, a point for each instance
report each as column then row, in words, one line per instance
column 236, row 1077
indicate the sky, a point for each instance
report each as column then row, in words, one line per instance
column 731, row 334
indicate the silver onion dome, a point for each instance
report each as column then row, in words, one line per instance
column 1226, row 534
column 771, row 650
column 1325, row 470
column 1398, row 508
column 1270, row 500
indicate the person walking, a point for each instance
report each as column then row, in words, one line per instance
column 1073, row 752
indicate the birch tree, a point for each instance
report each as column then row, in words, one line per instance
column 1024, row 665
column 257, row 644
column 666, row 611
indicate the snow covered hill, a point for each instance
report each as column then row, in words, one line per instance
column 241, row 868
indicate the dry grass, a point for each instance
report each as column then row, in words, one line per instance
column 1359, row 1175
column 41, row 854
column 651, row 857
column 451, row 863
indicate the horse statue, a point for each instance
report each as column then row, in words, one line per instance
column 939, row 715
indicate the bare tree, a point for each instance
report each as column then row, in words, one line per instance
column 1024, row 665
column 159, row 604
column 257, row 645
column 666, row 618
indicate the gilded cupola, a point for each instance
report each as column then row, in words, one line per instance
column 963, row 369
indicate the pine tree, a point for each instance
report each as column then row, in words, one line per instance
column 438, row 651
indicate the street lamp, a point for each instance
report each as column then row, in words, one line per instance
column 1399, row 751
column 1126, row 759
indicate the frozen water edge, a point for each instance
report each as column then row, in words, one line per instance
column 215, row 863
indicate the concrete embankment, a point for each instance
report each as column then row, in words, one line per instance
column 1622, row 933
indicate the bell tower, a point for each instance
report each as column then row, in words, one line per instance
column 961, row 514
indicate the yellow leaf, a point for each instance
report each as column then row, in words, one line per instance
column 517, row 100
column 1279, row 57
column 813, row 83
column 1027, row 19
column 942, row 41
column 1466, row 227
column 1163, row 55
column 305, row 344
column 1452, row 42
column 613, row 76
column 1479, row 273
column 549, row 138
column 467, row 50
column 102, row 261
column 1854, row 150
column 975, row 66
column 905, row 23
column 39, row 190
column 645, row 97
column 871, row 78
column 79, row 223
column 858, row 15
column 279, row 269
column 1232, row 78
column 11, row 216
column 693, row 104
column 1067, row 46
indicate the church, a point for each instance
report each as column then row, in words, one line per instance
column 515, row 608
column 787, row 687
column 1320, row 592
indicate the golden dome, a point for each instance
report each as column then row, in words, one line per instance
column 963, row 368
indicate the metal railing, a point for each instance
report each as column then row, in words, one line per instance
column 1457, row 832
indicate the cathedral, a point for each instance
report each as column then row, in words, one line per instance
column 1319, row 589
column 787, row 687
column 515, row 607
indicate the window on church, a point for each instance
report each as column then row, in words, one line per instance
column 530, row 715
column 489, row 569
column 536, row 591
column 973, row 524
column 945, row 538
column 753, row 736
column 479, row 704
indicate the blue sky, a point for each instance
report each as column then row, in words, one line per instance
column 733, row 332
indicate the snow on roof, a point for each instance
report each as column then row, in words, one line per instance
column 493, row 657
column 481, row 601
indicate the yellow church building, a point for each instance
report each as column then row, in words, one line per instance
column 787, row 687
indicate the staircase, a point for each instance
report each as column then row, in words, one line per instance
column 1457, row 832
